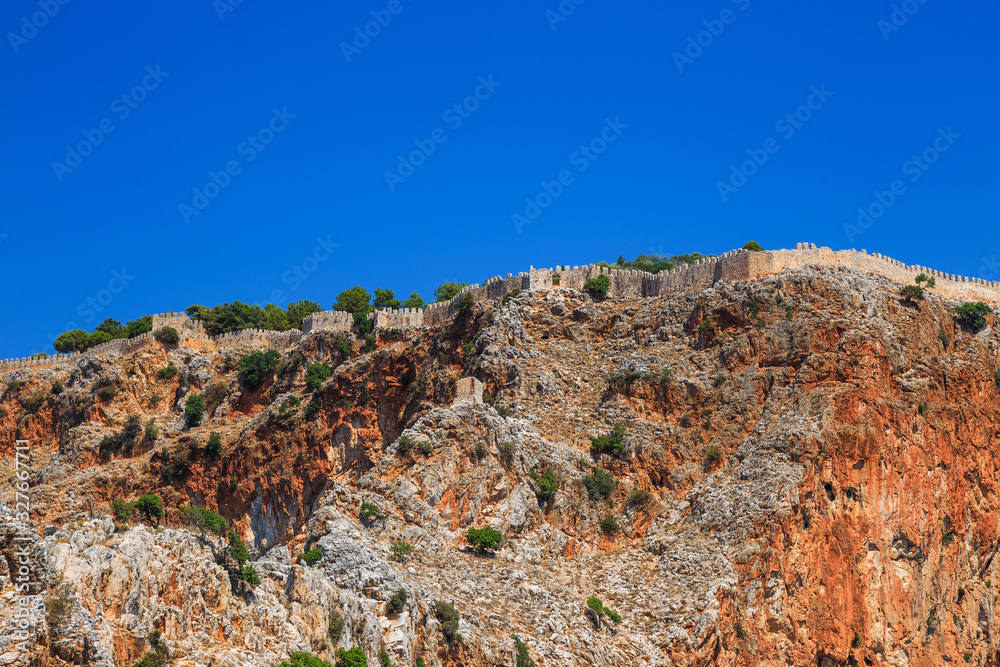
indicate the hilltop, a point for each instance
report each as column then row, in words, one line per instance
column 759, row 458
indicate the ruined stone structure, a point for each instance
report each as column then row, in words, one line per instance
column 468, row 389
column 734, row 265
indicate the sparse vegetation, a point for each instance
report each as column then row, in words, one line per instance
column 943, row 337
column 300, row 659
column 706, row 330
column 973, row 314
column 513, row 294
column 336, row 628
column 194, row 410
column 612, row 443
column 546, row 484
column 167, row 336
column 167, row 372
column 205, row 519
column 599, row 484
column 856, row 643
column 598, row 287
column 56, row 388
column 150, row 507
column 400, row 550
column 506, row 450
column 483, row 539
column 256, row 365
column 719, row 380
column 383, row 659
column 523, row 659
column 449, row 619
column 639, row 498
column 311, row 557
column 59, row 603
column 215, row 394
column 214, row 445
column 609, row 525
column 397, row 602
column 405, row 445
column 316, row 374
column 370, row 512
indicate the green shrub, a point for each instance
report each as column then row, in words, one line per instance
column 343, row 346
column 167, row 372
column 912, row 292
column 370, row 342
column 615, row 617
column 214, row 445
column 405, row 445
column 599, row 484
column 122, row 510
column 706, row 330
column 713, row 454
column 609, row 525
column 594, row 603
column 371, row 512
column 354, row 657
column 237, row 549
column 400, row 550
column 316, row 374
column 502, row 410
column 639, row 498
column 311, row 557
column 468, row 350
column 752, row 246
column 719, row 380
column 397, row 602
column 151, row 659
column 598, row 287
column 426, row 447
column 943, row 337
column 513, row 294
column 57, row 387
column 336, row 628
column 151, row 431
column 546, row 484
column 107, row 392
column 194, row 409
column 303, row 660
column 311, row 408
column 215, row 394
column 364, row 323
column 996, row 378
column 255, row 365
column 167, row 336
column 139, row 326
column 922, row 408
column 420, row 661
column 523, row 659
column 390, row 334
column 973, row 315
column 448, row 291
column 685, row 420
column 856, row 643
column 205, row 519
column 506, row 449
column 449, row 618
column 483, row 539
column 480, row 451
column 465, row 303
column 150, row 507
column 612, row 443
column 383, row 659
column 741, row 633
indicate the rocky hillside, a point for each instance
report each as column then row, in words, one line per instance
column 805, row 473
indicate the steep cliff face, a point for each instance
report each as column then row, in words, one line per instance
column 810, row 480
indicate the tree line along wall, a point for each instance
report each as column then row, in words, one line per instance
column 730, row 266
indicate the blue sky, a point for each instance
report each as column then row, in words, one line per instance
column 310, row 131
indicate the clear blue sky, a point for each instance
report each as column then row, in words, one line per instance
column 215, row 78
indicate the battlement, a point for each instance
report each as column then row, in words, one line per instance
column 730, row 266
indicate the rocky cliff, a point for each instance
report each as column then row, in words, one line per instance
column 808, row 479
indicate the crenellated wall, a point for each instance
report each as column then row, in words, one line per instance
column 730, row 266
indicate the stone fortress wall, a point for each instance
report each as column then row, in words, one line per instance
column 730, row 266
